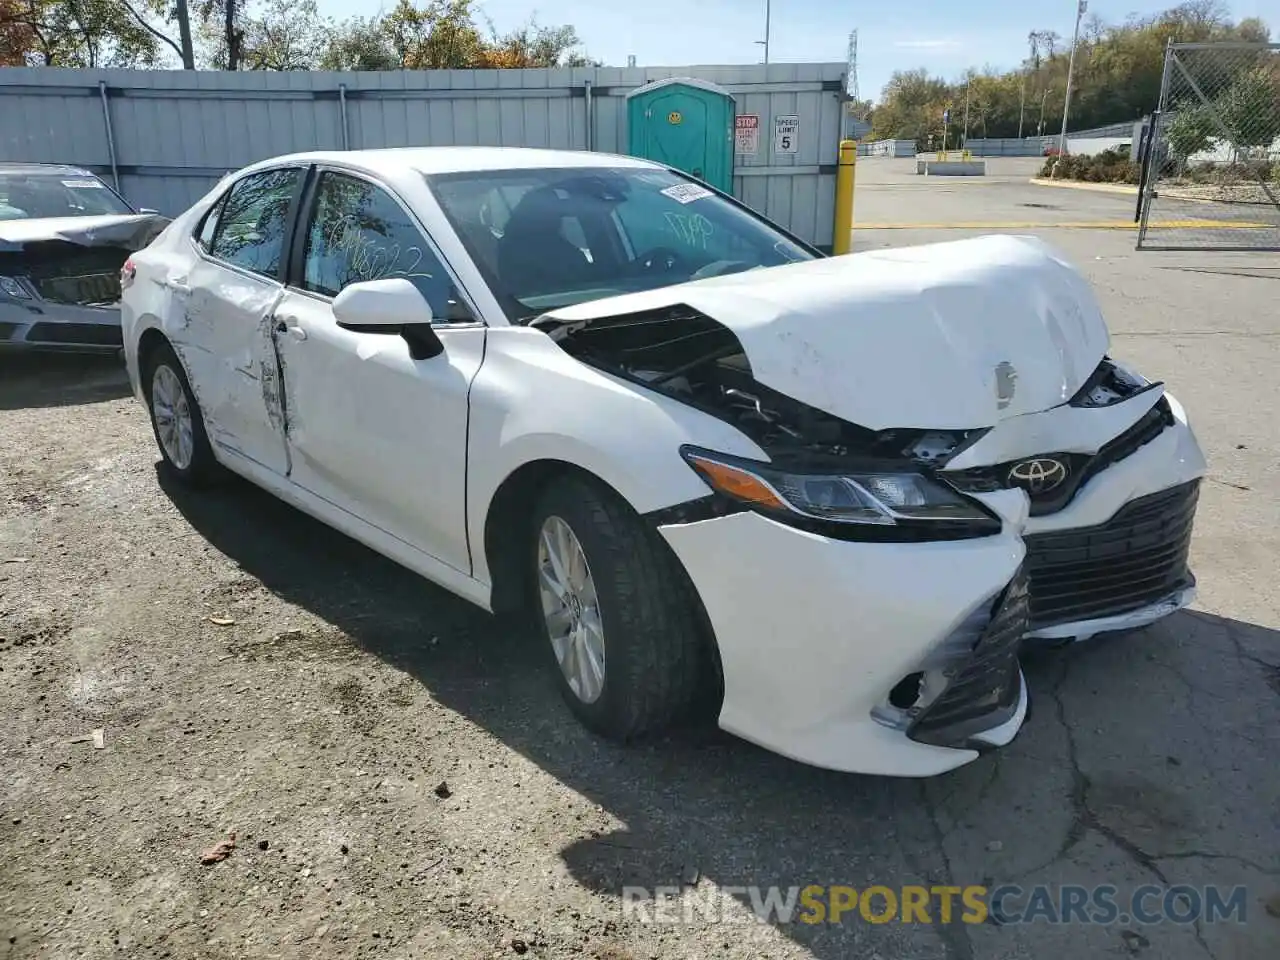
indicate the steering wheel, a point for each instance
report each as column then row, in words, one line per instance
column 662, row 259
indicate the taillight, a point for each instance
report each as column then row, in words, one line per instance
column 127, row 273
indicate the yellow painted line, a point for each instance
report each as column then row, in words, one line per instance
column 1080, row 225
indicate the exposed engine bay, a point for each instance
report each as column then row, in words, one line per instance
column 685, row 354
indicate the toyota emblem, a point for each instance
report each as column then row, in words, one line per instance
column 1038, row 476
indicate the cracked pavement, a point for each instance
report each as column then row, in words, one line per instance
column 255, row 672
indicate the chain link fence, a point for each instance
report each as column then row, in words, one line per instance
column 1211, row 162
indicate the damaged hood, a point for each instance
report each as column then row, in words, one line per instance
column 134, row 231
column 954, row 335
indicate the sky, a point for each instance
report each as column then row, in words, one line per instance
column 944, row 36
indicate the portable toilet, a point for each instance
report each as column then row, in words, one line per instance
column 686, row 124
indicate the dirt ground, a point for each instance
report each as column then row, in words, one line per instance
column 402, row 780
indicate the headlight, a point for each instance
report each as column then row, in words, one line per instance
column 13, row 288
column 878, row 498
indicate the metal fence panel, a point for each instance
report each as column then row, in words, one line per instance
column 1211, row 177
column 175, row 133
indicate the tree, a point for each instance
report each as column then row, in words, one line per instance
column 286, row 35
column 1250, row 108
column 533, row 45
column 442, row 34
column 360, row 44
column 1118, row 71
column 1191, row 130
column 16, row 36
column 439, row 36
column 85, row 33
column 221, row 24
column 92, row 33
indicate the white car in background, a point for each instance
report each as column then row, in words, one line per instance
column 837, row 493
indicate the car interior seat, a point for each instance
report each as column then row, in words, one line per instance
column 533, row 254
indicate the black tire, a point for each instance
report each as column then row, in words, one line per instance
column 647, row 608
column 204, row 468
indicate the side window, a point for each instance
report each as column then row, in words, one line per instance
column 204, row 235
column 357, row 233
column 253, row 220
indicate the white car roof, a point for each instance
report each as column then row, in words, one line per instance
column 391, row 161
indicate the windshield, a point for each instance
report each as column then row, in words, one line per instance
column 548, row 238
column 34, row 196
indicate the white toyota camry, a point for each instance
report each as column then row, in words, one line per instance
column 837, row 493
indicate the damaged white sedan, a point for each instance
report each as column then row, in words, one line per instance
column 838, row 494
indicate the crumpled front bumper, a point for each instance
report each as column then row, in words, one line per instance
column 814, row 633
column 44, row 325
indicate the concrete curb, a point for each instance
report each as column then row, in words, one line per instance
column 1082, row 185
column 1121, row 188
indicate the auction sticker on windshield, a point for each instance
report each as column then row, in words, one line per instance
column 686, row 192
column 84, row 184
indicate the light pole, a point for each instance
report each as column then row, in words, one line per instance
column 966, row 111
column 1022, row 103
column 765, row 42
column 1081, row 7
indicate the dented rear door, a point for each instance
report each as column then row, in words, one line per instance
column 228, row 298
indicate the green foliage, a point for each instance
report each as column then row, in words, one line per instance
column 1110, row 166
column 83, row 33
column 1190, row 131
column 1117, row 78
column 1250, row 107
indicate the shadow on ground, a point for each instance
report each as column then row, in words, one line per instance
column 697, row 800
column 30, row 380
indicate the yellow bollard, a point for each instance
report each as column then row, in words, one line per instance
column 842, row 242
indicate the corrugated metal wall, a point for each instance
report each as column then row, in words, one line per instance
column 176, row 132
column 1087, row 141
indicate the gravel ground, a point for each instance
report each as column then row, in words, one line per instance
column 402, row 781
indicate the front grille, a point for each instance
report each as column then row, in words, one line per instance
column 89, row 334
column 1136, row 558
column 983, row 689
column 1079, row 466
column 88, row 289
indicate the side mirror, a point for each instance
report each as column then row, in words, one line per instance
column 392, row 306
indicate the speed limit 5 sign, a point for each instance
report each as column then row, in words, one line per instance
column 786, row 134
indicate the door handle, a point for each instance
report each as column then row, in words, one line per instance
column 178, row 284
column 290, row 326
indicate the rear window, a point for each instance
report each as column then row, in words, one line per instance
column 34, row 196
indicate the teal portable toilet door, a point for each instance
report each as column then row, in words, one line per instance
column 686, row 124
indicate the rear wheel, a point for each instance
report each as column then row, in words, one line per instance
column 615, row 611
column 176, row 418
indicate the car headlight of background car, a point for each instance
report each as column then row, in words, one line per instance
column 863, row 504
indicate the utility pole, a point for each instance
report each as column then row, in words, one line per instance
column 1043, row 97
column 1081, row 7
column 966, row 111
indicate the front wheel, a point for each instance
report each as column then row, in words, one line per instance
column 614, row 610
column 176, row 418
